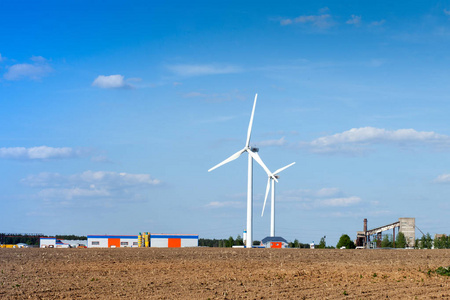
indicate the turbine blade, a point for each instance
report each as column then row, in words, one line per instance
column 231, row 158
column 249, row 131
column 283, row 168
column 258, row 159
column 267, row 193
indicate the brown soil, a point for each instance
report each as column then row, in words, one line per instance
column 217, row 273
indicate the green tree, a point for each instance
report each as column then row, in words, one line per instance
column 439, row 243
column 426, row 241
column 345, row 241
column 322, row 244
column 71, row 237
column 400, row 240
column 386, row 242
column 239, row 241
column 229, row 242
column 442, row 242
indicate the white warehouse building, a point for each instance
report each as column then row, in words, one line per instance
column 161, row 240
column 112, row 241
column 52, row 242
column 158, row 240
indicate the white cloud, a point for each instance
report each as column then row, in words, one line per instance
column 90, row 179
column 111, row 82
column 319, row 21
column 356, row 139
column 2, row 58
column 354, row 20
column 285, row 22
column 341, row 201
column 378, row 23
column 328, row 192
column 41, row 152
column 307, row 195
column 325, row 197
column 198, row 70
column 90, row 185
column 361, row 213
column 70, row 193
column 444, row 178
column 218, row 204
column 38, row 59
column 35, row 71
column 268, row 143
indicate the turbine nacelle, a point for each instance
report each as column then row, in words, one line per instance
column 273, row 176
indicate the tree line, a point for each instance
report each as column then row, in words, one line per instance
column 32, row 239
column 426, row 242
column 238, row 241
column 13, row 238
column 400, row 241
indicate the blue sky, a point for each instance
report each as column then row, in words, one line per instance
column 111, row 115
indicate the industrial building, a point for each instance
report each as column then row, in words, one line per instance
column 371, row 238
column 274, row 242
column 75, row 243
column 161, row 240
column 52, row 242
column 112, row 241
column 158, row 240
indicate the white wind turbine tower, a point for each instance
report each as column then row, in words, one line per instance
column 252, row 154
column 272, row 176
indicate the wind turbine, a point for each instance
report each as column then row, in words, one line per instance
column 271, row 177
column 252, row 154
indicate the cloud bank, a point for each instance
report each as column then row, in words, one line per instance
column 217, row 204
column 111, row 82
column 39, row 153
column 34, row 71
column 319, row 21
column 322, row 198
column 354, row 20
column 100, row 185
column 357, row 139
column 444, row 178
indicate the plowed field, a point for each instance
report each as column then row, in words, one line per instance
column 217, row 273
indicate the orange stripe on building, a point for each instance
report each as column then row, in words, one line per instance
column 174, row 243
column 113, row 242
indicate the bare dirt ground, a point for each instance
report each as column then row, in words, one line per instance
column 218, row 273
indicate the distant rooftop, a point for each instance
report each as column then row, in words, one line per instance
column 273, row 239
